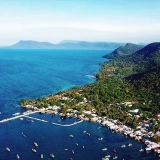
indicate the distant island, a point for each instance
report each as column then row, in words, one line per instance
column 67, row 44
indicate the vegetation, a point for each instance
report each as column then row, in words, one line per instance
column 132, row 78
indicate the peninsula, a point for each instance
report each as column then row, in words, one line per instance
column 127, row 92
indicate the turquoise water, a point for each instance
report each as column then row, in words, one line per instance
column 35, row 73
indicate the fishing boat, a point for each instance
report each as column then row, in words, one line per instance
column 52, row 155
column 123, row 146
column 35, row 144
column 71, row 135
column 17, row 156
column 34, row 150
column 8, row 149
column 66, row 149
column 41, row 156
column 107, row 156
column 115, row 157
column 104, row 149
column 130, row 144
column 100, row 139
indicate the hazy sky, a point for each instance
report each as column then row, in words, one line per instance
column 90, row 20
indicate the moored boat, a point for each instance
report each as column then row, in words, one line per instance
column 104, row 149
column 41, row 156
column 130, row 144
column 71, row 135
column 8, row 149
column 52, row 155
column 73, row 151
column 35, row 144
column 34, row 150
column 100, row 139
column 18, row 157
column 123, row 146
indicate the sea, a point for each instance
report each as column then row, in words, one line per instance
column 34, row 73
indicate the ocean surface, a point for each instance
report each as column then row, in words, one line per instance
column 37, row 73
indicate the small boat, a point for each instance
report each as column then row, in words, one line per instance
column 66, row 149
column 104, row 149
column 123, row 146
column 114, row 150
column 76, row 144
column 130, row 144
column 8, row 149
column 51, row 155
column 84, row 131
column 71, row 135
column 21, row 118
column 17, row 156
column 82, row 146
column 34, row 150
column 107, row 156
column 100, row 139
column 35, row 144
column 88, row 134
column 115, row 157
column 41, row 156
column 73, row 151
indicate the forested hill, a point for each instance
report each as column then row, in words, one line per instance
column 129, row 48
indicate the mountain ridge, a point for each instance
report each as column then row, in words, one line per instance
column 29, row 44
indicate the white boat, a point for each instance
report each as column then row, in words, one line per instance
column 100, row 139
column 17, row 156
column 52, row 155
column 8, row 149
column 130, row 144
column 21, row 118
column 104, row 149
column 35, row 144
column 66, row 149
column 73, row 151
column 141, row 150
column 107, row 156
column 34, row 150
column 123, row 146
column 71, row 135
column 76, row 144
column 41, row 156
column 115, row 157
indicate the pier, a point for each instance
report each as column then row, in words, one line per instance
column 19, row 116
column 67, row 125
column 36, row 119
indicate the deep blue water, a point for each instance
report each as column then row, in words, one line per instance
column 35, row 73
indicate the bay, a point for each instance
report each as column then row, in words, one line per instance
column 37, row 73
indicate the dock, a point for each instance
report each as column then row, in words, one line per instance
column 36, row 119
column 67, row 125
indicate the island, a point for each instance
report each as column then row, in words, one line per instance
column 125, row 96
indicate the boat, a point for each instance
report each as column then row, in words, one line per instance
column 52, row 155
column 88, row 134
column 21, row 118
column 141, row 150
column 107, row 156
column 66, row 149
column 114, row 150
column 71, row 135
column 130, row 144
column 104, row 149
column 34, row 150
column 41, row 156
column 84, row 131
column 8, row 149
column 115, row 157
column 17, row 156
column 35, row 144
column 100, row 139
column 82, row 146
column 76, row 144
column 123, row 146
column 73, row 151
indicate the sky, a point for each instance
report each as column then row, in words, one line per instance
column 135, row 21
